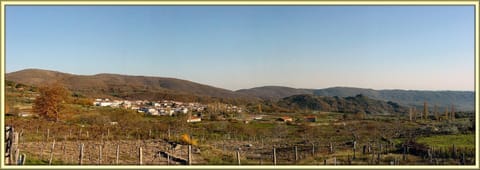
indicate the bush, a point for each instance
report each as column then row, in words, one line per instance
column 185, row 138
column 448, row 129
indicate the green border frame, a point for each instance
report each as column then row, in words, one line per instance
column 4, row 3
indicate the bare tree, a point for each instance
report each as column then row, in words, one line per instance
column 446, row 113
column 453, row 112
column 425, row 110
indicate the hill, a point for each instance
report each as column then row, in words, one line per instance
column 462, row 100
column 156, row 88
column 358, row 103
column 274, row 92
column 128, row 87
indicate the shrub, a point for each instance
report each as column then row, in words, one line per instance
column 185, row 138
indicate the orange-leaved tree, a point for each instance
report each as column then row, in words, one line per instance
column 51, row 101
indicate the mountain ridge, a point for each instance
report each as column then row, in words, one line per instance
column 127, row 86
column 151, row 87
column 462, row 100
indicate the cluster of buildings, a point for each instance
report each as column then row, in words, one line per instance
column 154, row 108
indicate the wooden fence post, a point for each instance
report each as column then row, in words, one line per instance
column 168, row 159
column 429, row 154
column 20, row 136
column 454, row 151
column 14, row 148
column 354, row 149
column 168, row 132
column 313, row 149
column 80, row 158
column 274, row 157
column 64, row 150
column 117, row 154
column 296, row 154
column 51, row 153
column 48, row 135
column 41, row 151
column 331, row 147
column 80, row 133
column 22, row 161
column 364, row 149
column 189, row 154
column 238, row 157
column 378, row 158
column 100, row 155
column 17, row 156
column 140, row 156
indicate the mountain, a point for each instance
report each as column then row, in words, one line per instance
column 156, row 88
column 462, row 100
column 129, row 87
column 273, row 92
column 358, row 103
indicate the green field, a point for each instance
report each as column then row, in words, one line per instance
column 460, row 141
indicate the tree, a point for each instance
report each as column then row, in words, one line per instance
column 425, row 110
column 51, row 101
column 410, row 113
column 453, row 112
column 446, row 113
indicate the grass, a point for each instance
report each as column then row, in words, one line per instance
column 460, row 141
column 36, row 161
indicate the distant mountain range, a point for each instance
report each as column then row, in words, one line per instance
column 153, row 88
column 461, row 100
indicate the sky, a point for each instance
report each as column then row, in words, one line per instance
column 238, row 47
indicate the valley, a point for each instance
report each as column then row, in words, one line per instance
column 300, row 129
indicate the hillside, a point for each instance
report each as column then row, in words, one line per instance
column 128, row 87
column 274, row 92
column 358, row 103
column 462, row 100
column 153, row 88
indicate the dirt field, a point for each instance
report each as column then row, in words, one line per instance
column 68, row 152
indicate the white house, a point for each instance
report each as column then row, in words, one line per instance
column 170, row 112
column 105, row 103
column 153, row 112
column 194, row 119
column 184, row 110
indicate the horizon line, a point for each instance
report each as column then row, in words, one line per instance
column 234, row 90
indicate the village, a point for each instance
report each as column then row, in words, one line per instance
column 193, row 109
column 164, row 107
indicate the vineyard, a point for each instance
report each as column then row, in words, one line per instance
column 373, row 141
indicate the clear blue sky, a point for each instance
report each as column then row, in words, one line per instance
column 235, row 47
